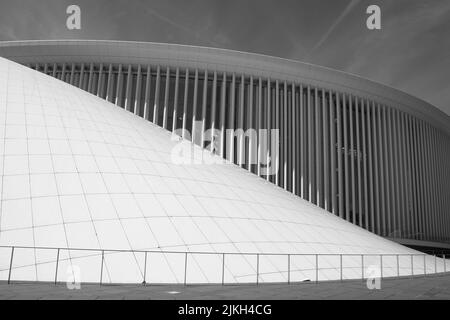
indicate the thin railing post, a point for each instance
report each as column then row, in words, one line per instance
column 445, row 262
column 412, row 265
column 145, row 269
column 424, row 264
column 381, row 265
column 435, row 264
column 317, row 268
column 289, row 268
column 223, row 268
column 185, row 266
column 10, row 265
column 340, row 258
column 362, row 267
column 398, row 266
column 257, row 269
column 101, row 270
column 56, row 269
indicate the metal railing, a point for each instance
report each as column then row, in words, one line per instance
column 46, row 263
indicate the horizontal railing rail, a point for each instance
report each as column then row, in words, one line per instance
column 212, row 252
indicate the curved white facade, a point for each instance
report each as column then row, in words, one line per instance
column 79, row 172
column 370, row 154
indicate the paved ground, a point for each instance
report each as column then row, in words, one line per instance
column 430, row 287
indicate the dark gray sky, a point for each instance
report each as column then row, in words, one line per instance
column 411, row 52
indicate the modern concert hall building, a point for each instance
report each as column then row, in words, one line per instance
column 335, row 154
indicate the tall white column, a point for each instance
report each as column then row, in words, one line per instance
column 148, row 81
column 317, row 164
column 352, row 155
column 72, row 73
column 166, row 99
column 429, row 212
column 325, row 151
column 81, row 83
column 204, row 102
column 439, row 151
column 299, row 134
column 175, row 101
column 285, row 137
column 441, row 184
column 376, row 155
column 424, row 193
column 428, row 208
column 269, row 127
column 109, row 84
column 241, row 155
column 194, row 112
column 359, row 156
column 289, row 137
column 280, row 117
column 396, row 196
column 99, row 81
column 137, row 94
column 433, row 180
column 429, row 174
column 128, row 88
column 386, row 173
column 370, row 142
column 444, row 191
column 406, row 179
column 294, row 155
column 345, row 154
column 419, row 182
column 157, row 89
column 422, row 179
column 259, row 125
column 90, row 79
column 62, row 76
column 332, row 123
column 54, row 71
column 185, row 101
column 310, row 144
column 230, row 137
column 414, row 176
column 222, row 115
column 251, row 142
column 339, row 157
column 437, row 185
column 401, row 166
column 213, row 111
column 119, row 86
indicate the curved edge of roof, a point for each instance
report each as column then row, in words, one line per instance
column 253, row 63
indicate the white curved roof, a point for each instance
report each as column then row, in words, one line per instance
column 80, row 172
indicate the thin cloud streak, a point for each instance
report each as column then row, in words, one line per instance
column 341, row 17
column 178, row 25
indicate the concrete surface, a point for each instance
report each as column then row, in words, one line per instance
column 429, row 287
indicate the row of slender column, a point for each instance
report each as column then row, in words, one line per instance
column 370, row 164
